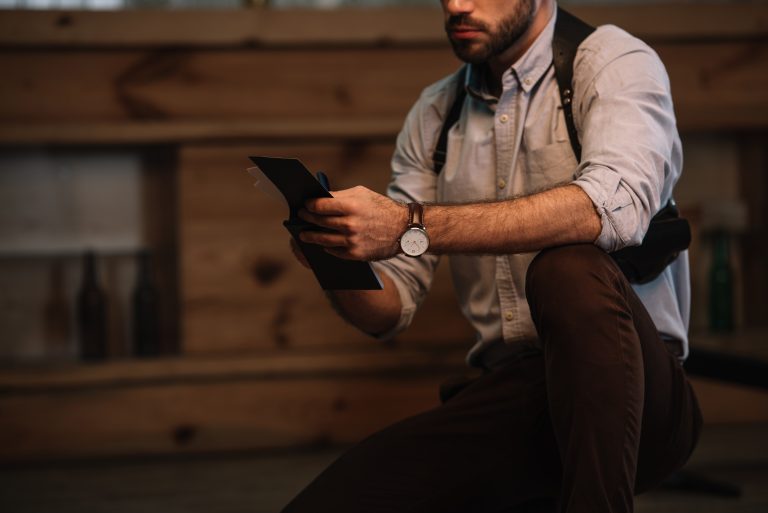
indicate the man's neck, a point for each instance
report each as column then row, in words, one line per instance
column 502, row 62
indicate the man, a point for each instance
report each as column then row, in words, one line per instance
column 583, row 401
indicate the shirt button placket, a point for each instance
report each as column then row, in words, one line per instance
column 504, row 153
column 505, row 149
column 507, row 298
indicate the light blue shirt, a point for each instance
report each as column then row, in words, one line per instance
column 518, row 144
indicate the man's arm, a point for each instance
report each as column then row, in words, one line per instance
column 372, row 311
column 563, row 215
column 369, row 224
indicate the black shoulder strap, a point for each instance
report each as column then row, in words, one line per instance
column 570, row 31
column 441, row 151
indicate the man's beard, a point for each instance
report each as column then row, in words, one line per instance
column 509, row 31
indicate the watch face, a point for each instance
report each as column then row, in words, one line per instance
column 414, row 242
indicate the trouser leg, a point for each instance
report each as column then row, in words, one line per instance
column 488, row 449
column 622, row 410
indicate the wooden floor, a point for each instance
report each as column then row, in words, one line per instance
column 263, row 483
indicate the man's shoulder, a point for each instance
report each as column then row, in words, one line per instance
column 436, row 96
column 418, row 137
column 605, row 45
column 427, row 115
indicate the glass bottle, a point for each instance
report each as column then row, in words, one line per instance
column 92, row 313
column 721, row 286
column 146, row 317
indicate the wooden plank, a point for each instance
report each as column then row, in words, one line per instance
column 723, row 402
column 214, row 406
column 754, row 188
column 191, row 131
column 172, row 96
column 266, row 365
column 311, row 27
column 222, row 416
column 223, row 27
column 713, row 84
column 681, row 22
column 180, row 405
column 211, row 86
column 241, row 287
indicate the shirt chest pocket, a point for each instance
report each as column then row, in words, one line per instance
column 469, row 171
column 548, row 166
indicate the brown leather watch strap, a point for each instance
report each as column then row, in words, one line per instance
column 415, row 214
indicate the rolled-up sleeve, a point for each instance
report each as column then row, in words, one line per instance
column 413, row 179
column 631, row 152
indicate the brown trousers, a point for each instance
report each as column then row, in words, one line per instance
column 603, row 412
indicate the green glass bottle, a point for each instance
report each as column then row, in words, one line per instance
column 721, row 285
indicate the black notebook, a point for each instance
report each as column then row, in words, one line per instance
column 298, row 185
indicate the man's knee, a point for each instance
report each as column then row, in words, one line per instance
column 575, row 294
column 567, row 274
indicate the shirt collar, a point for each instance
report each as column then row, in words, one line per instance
column 526, row 72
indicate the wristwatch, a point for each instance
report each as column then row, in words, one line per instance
column 415, row 241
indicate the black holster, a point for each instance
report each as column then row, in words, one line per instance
column 668, row 234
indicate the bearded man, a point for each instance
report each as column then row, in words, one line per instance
column 583, row 401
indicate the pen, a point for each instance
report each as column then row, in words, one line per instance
column 323, row 179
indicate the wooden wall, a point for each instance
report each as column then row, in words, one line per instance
column 241, row 288
column 265, row 361
column 176, row 76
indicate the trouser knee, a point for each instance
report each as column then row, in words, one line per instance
column 564, row 271
column 571, row 284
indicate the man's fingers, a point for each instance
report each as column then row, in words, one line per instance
column 326, row 206
column 328, row 240
column 331, row 222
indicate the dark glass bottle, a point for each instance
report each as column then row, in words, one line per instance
column 721, row 286
column 146, row 316
column 92, row 313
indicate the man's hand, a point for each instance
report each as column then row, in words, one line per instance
column 366, row 225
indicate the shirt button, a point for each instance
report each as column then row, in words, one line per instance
column 527, row 81
column 508, row 316
column 502, row 183
column 503, row 118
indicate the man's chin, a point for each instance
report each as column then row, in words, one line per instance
column 472, row 53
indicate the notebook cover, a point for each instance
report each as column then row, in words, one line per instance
column 298, row 185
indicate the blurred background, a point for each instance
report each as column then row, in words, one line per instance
column 160, row 349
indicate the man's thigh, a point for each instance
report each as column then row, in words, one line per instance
column 488, row 448
column 598, row 322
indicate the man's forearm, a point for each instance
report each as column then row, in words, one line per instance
column 564, row 215
column 366, row 225
column 558, row 216
column 372, row 311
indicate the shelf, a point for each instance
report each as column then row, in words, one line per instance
column 49, row 253
column 189, row 131
column 373, row 362
column 181, row 405
column 752, row 343
column 255, row 402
